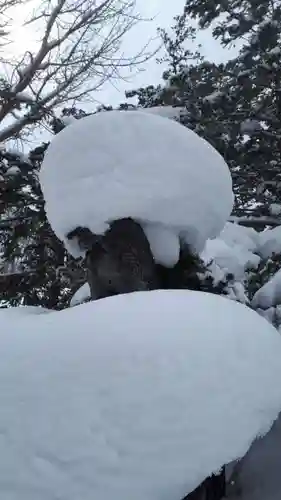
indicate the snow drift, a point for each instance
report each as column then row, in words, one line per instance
column 138, row 396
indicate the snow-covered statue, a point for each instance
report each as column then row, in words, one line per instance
column 139, row 188
column 142, row 395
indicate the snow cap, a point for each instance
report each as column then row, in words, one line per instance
column 135, row 164
column 138, row 396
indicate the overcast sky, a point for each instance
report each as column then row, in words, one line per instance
column 162, row 11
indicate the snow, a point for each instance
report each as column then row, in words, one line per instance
column 11, row 313
column 233, row 250
column 215, row 271
column 269, row 313
column 250, row 126
column 171, row 112
column 235, row 259
column 164, row 244
column 237, row 292
column 242, row 73
column 83, row 293
column 275, row 51
column 270, row 293
column 67, row 120
column 25, row 97
column 265, row 22
column 14, row 170
column 235, row 234
column 103, row 401
column 269, row 242
column 118, row 164
column 15, row 152
column 213, row 97
column 275, row 209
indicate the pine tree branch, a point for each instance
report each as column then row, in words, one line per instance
column 256, row 222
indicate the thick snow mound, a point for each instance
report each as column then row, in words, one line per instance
column 138, row 396
column 117, row 164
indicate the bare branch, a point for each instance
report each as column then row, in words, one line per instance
column 78, row 52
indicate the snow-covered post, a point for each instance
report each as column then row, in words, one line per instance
column 130, row 191
column 159, row 178
column 120, row 261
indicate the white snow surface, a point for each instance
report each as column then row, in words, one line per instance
column 11, row 313
column 119, row 164
column 269, row 242
column 83, row 293
column 138, row 396
column 250, row 126
column 270, row 293
column 275, row 51
column 233, row 250
column 67, row 120
column 213, row 97
column 275, row 209
column 164, row 244
column 170, row 112
column 234, row 259
column 14, row 170
column 235, row 234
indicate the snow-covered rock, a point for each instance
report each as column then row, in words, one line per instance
column 137, row 396
column 81, row 295
column 118, row 164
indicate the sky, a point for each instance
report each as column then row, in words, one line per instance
column 162, row 12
